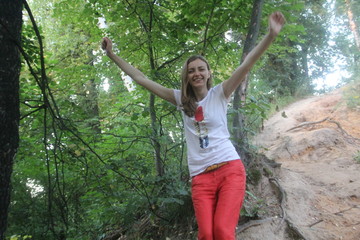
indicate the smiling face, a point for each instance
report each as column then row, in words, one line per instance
column 198, row 73
column 195, row 77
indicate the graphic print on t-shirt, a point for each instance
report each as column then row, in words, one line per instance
column 200, row 127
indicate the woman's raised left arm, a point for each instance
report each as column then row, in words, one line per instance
column 276, row 22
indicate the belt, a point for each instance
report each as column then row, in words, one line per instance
column 215, row 166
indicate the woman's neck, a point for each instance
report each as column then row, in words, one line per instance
column 200, row 94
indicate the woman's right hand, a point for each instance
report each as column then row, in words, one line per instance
column 276, row 23
column 106, row 45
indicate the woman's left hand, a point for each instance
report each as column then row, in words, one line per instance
column 276, row 22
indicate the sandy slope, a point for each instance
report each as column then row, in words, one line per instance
column 318, row 173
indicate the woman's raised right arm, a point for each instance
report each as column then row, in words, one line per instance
column 140, row 78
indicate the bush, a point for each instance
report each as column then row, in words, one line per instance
column 352, row 95
column 357, row 157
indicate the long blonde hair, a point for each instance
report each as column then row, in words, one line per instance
column 188, row 98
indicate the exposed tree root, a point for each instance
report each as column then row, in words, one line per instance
column 337, row 213
column 317, row 222
column 253, row 223
column 295, row 231
column 281, row 199
column 345, row 210
column 115, row 235
column 306, row 124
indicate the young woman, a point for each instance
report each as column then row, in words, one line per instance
column 218, row 175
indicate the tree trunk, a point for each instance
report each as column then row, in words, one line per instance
column 91, row 99
column 154, row 123
column 10, row 34
column 239, row 131
column 354, row 28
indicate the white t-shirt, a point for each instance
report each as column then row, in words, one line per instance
column 207, row 135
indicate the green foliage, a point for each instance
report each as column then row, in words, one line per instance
column 255, row 109
column 357, row 157
column 254, row 175
column 253, row 206
column 352, row 95
column 304, row 54
column 280, row 103
column 18, row 237
column 346, row 46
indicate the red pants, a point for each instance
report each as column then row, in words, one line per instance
column 217, row 197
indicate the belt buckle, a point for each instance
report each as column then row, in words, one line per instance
column 215, row 166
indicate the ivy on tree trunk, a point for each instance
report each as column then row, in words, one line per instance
column 240, row 136
column 10, row 32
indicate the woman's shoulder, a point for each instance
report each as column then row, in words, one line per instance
column 217, row 89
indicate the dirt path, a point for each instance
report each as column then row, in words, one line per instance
column 319, row 173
